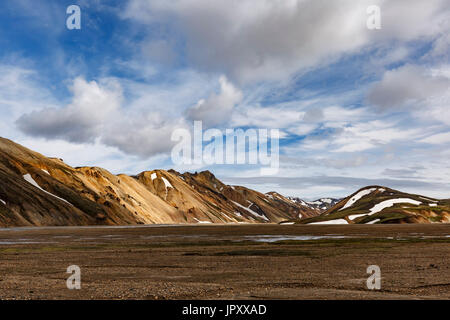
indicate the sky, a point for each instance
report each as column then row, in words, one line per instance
column 355, row 106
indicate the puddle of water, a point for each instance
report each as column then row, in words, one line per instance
column 272, row 238
column 85, row 239
column 24, row 242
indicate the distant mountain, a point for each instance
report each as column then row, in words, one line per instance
column 40, row 191
column 375, row 204
column 321, row 204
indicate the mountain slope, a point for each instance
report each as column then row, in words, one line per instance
column 40, row 191
column 375, row 204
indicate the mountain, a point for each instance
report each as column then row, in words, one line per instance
column 376, row 204
column 321, row 204
column 40, row 191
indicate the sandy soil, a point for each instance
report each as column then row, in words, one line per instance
column 227, row 262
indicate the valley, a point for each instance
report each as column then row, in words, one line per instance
column 247, row 261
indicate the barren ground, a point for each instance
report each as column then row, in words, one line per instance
column 227, row 262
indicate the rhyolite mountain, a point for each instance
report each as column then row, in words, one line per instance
column 380, row 205
column 39, row 191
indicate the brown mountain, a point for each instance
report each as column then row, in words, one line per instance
column 40, row 191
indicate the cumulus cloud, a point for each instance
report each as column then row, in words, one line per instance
column 96, row 115
column 93, row 105
column 217, row 108
column 255, row 40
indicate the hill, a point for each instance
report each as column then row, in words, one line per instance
column 376, row 204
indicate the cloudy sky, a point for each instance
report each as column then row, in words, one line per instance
column 355, row 106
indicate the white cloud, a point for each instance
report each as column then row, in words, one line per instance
column 266, row 117
column 92, row 107
column 255, row 40
column 364, row 136
column 217, row 108
column 340, row 114
column 408, row 86
column 440, row 138
column 97, row 114
column 135, row 117
column 254, row 44
column 144, row 135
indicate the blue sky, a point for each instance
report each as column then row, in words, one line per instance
column 355, row 106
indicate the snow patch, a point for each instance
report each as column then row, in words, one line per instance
column 357, row 196
column 226, row 216
column 356, row 216
column 389, row 203
column 167, row 183
column 276, row 238
column 153, row 176
column 250, row 211
column 337, row 221
column 198, row 221
column 373, row 221
column 433, row 204
column 45, row 171
column 30, row 180
column 4, row 203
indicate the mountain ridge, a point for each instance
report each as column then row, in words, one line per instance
column 39, row 191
